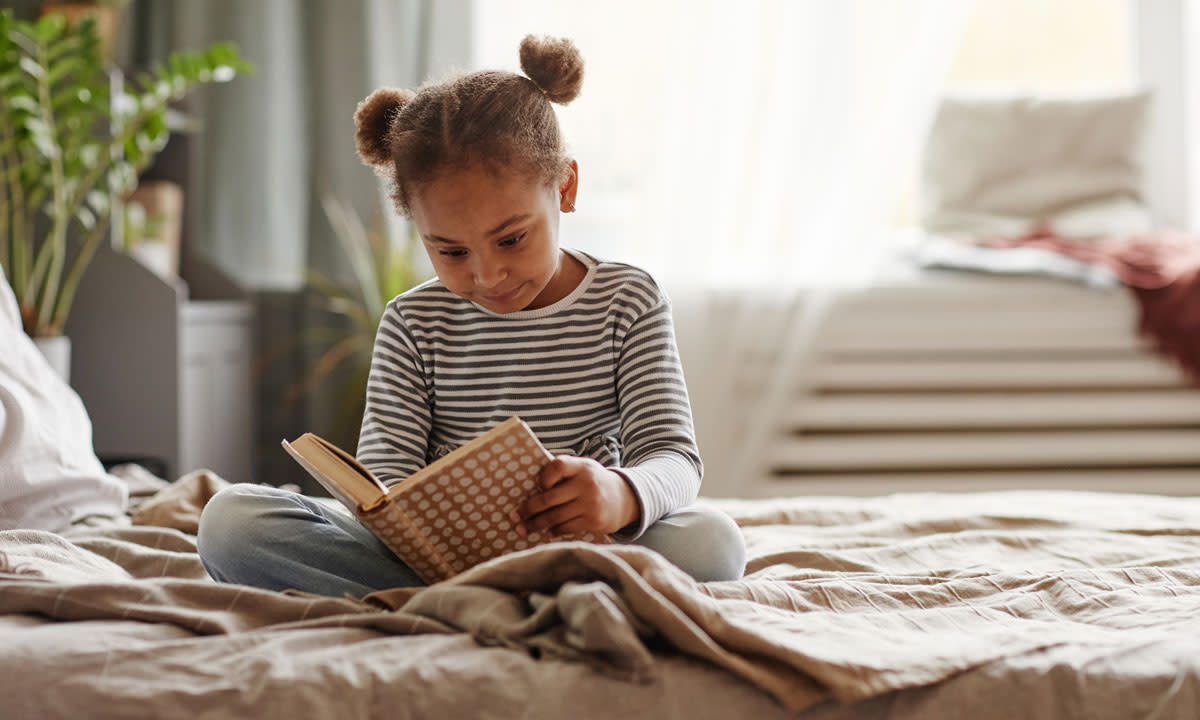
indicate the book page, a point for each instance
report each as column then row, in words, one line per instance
column 339, row 473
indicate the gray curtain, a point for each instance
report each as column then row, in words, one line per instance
column 267, row 144
column 269, row 138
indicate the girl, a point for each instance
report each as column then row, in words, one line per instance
column 581, row 349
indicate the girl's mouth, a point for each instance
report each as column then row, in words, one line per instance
column 504, row 297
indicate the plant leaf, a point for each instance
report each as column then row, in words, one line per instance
column 99, row 202
column 86, row 218
column 58, row 47
column 23, row 103
column 51, row 25
column 64, row 69
column 30, row 66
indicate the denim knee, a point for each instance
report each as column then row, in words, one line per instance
column 705, row 543
column 720, row 542
column 228, row 527
column 276, row 539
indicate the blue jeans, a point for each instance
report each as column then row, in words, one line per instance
column 278, row 539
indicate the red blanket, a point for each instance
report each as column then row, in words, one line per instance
column 1162, row 270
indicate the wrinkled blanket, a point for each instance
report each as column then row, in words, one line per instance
column 844, row 599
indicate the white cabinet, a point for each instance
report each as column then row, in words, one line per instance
column 215, row 389
column 164, row 367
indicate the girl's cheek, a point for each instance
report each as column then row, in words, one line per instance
column 457, row 281
column 446, row 278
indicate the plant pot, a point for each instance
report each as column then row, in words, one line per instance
column 107, row 17
column 157, row 256
column 57, row 351
column 161, row 200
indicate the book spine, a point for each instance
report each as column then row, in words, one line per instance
column 400, row 545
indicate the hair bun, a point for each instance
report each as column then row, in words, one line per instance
column 555, row 65
column 373, row 119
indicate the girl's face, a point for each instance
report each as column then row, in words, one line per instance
column 493, row 238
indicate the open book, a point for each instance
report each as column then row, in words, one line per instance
column 449, row 515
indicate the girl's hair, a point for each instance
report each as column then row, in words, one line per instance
column 493, row 118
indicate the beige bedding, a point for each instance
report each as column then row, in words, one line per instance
column 1022, row 604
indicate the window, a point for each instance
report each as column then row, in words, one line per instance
column 1061, row 47
column 1048, row 47
column 742, row 138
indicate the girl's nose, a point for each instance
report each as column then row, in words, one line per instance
column 489, row 274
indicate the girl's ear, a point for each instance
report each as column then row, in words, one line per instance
column 568, row 187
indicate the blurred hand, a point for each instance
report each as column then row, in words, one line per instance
column 578, row 495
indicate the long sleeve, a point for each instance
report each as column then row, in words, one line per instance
column 596, row 374
column 394, row 439
column 660, row 459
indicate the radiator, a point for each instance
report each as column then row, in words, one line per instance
column 974, row 382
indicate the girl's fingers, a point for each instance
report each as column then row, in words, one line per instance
column 563, row 514
column 558, row 469
column 542, row 501
column 561, row 503
column 573, row 526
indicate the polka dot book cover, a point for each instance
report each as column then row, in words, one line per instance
column 452, row 514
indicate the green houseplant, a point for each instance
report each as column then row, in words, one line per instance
column 70, row 145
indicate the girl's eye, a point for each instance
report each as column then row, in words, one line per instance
column 509, row 242
column 455, row 253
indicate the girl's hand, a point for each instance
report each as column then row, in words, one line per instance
column 578, row 495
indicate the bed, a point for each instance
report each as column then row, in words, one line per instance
column 922, row 605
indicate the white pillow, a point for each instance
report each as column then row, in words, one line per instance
column 49, row 473
column 1003, row 166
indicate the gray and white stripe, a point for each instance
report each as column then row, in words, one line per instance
column 596, row 374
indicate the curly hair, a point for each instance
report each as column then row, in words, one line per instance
column 494, row 118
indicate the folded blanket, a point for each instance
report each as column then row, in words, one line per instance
column 179, row 505
column 1163, row 271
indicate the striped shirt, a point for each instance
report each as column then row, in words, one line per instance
column 596, row 375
